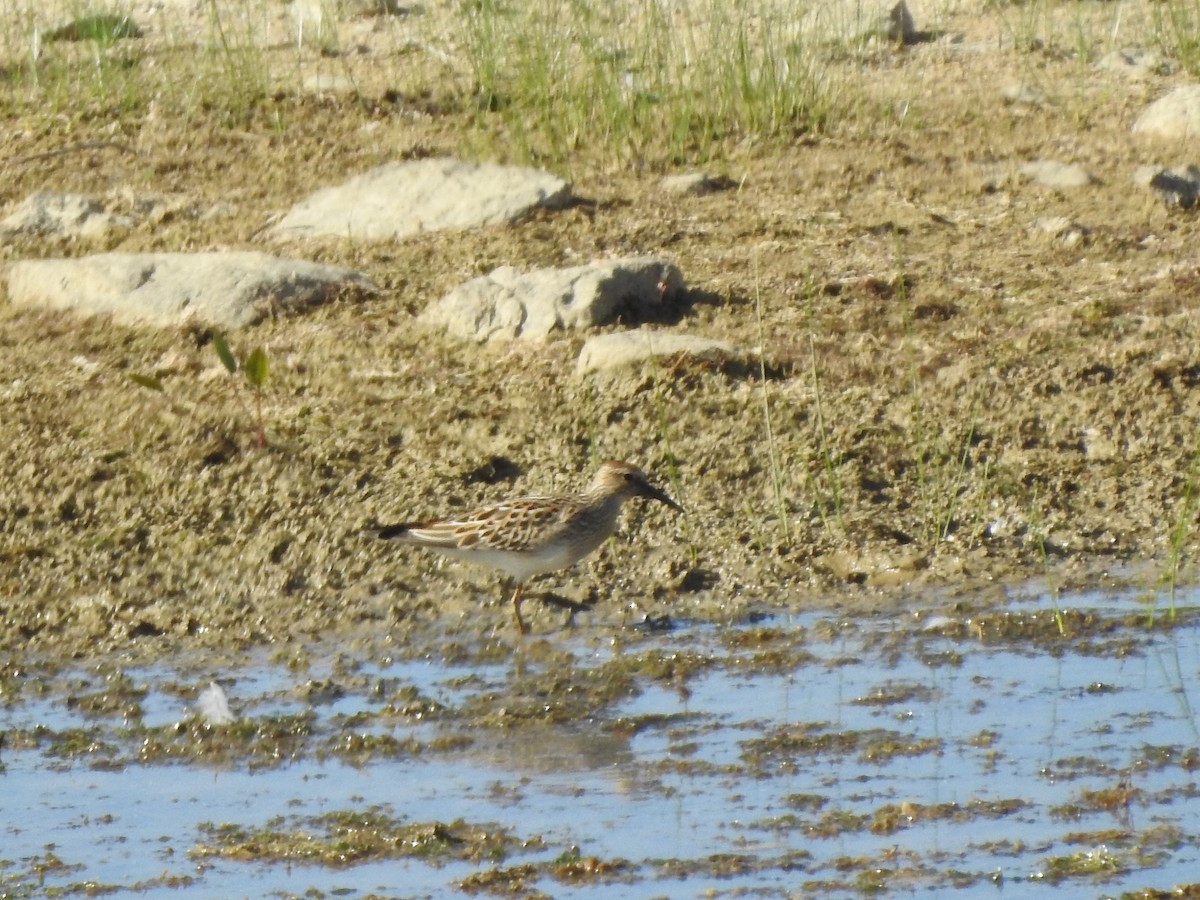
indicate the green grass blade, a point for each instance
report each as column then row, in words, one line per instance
column 224, row 353
column 256, row 368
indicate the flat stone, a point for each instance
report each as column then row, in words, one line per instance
column 506, row 304
column 1053, row 174
column 1018, row 92
column 69, row 215
column 605, row 352
column 327, row 83
column 692, row 184
column 229, row 290
column 1061, row 229
column 1173, row 117
column 317, row 11
column 404, row 198
column 1135, row 63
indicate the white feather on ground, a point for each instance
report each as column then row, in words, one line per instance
column 213, row 706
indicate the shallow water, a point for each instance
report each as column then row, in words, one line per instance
column 917, row 753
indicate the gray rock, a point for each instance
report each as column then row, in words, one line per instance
column 327, row 83
column 859, row 21
column 1173, row 117
column 71, row 215
column 1060, row 229
column 693, row 184
column 1020, row 93
column 507, row 304
column 1178, row 188
column 1050, row 173
column 1135, row 63
column 317, row 11
column 229, row 290
column 605, row 352
column 901, row 26
column 403, row 198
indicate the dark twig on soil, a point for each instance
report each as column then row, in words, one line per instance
column 74, row 148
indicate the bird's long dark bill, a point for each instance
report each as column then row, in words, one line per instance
column 391, row 532
column 655, row 494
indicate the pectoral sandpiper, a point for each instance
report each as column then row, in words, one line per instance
column 534, row 535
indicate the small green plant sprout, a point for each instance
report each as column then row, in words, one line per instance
column 154, row 383
column 150, row 382
column 256, row 367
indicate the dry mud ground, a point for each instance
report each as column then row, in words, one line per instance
column 955, row 396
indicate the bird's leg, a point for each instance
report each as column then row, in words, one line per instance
column 516, row 600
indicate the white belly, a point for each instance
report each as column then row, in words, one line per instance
column 561, row 551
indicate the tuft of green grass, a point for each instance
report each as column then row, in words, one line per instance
column 942, row 462
column 634, row 83
column 1189, row 501
column 943, row 468
column 1176, row 30
column 71, row 59
column 660, row 400
column 237, row 52
column 638, row 79
column 781, row 506
column 826, row 487
column 1039, row 535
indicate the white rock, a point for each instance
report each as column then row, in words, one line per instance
column 507, row 304
column 1022, row 93
column 328, row 83
column 403, row 198
column 627, row 348
column 165, row 289
column 1061, row 229
column 64, row 214
column 1173, row 117
column 1049, row 173
column 1143, row 175
column 691, row 184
